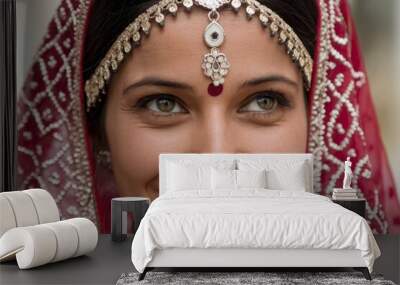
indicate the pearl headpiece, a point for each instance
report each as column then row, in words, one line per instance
column 215, row 64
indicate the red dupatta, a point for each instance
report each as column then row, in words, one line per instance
column 55, row 151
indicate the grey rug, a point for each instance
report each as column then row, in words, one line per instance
column 230, row 278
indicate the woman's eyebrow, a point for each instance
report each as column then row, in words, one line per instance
column 156, row 81
column 268, row 78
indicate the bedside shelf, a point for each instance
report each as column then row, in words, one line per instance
column 119, row 215
column 355, row 205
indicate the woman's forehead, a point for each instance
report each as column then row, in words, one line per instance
column 178, row 48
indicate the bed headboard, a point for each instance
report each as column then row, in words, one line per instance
column 214, row 157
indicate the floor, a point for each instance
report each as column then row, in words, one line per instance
column 389, row 262
column 110, row 259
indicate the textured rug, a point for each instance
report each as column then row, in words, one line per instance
column 231, row 278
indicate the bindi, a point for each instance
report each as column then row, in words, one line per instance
column 214, row 90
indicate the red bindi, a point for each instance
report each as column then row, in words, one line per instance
column 215, row 90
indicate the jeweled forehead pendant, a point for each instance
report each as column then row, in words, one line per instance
column 215, row 64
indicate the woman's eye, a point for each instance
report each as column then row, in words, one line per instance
column 267, row 103
column 163, row 104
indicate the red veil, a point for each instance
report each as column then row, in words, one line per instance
column 55, row 151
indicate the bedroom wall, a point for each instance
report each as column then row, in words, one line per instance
column 379, row 31
column 378, row 26
column 33, row 17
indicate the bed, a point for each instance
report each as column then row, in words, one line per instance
column 246, row 211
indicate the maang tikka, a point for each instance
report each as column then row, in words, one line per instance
column 215, row 64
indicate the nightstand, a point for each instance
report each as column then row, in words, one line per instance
column 355, row 205
column 119, row 215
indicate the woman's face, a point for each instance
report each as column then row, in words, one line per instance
column 158, row 100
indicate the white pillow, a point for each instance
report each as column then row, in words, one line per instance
column 251, row 178
column 223, row 179
column 282, row 174
column 187, row 177
column 292, row 179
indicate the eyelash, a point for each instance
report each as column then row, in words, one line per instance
column 282, row 102
column 143, row 102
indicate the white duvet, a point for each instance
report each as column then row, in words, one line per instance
column 252, row 218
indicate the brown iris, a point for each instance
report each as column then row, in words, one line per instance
column 165, row 104
column 267, row 103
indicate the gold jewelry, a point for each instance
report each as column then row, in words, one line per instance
column 103, row 157
column 215, row 63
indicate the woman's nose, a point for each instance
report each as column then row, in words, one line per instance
column 213, row 133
